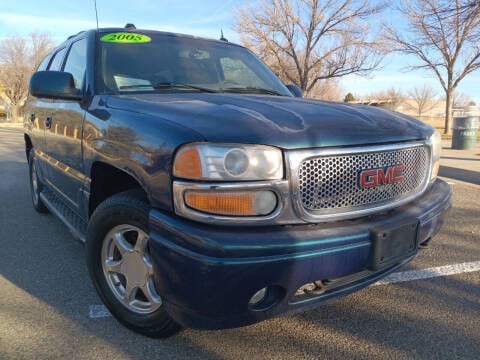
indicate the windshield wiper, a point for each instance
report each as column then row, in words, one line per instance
column 135, row 86
column 168, row 85
column 252, row 90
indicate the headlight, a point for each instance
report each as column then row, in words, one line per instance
column 230, row 162
column 436, row 139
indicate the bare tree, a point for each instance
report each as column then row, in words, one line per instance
column 444, row 35
column 461, row 100
column 19, row 57
column 395, row 98
column 306, row 41
column 328, row 90
column 423, row 99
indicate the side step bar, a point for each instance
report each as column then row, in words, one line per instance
column 75, row 224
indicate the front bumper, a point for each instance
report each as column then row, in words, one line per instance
column 207, row 274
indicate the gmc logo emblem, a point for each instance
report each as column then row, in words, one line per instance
column 382, row 176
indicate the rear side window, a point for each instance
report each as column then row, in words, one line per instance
column 57, row 60
column 77, row 61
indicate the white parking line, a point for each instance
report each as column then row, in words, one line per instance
column 100, row 311
column 410, row 275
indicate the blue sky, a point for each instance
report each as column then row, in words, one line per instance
column 202, row 17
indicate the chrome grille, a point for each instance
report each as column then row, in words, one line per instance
column 330, row 184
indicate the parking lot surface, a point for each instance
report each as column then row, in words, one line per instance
column 49, row 309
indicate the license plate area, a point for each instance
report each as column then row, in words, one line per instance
column 392, row 243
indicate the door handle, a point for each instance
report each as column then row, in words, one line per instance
column 48, row 122
column 32, row 117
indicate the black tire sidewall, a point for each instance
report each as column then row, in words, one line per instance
column 38, row 205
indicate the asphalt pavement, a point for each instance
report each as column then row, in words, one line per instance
column 46, row 295
column 460, row 165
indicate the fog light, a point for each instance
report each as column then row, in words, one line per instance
column 258, row 296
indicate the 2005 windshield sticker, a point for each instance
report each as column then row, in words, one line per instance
column 125, row 38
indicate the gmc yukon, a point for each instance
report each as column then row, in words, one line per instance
column 209, row 194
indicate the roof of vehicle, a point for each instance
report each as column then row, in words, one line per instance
column 133, row 29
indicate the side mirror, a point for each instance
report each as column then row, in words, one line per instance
column 54, row 85
column 295, row 90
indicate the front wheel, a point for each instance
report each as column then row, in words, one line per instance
column 120, row 265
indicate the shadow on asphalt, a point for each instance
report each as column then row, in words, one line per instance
column 41, row 260
column 468, row 176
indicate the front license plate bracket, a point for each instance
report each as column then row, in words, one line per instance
column 393, row 243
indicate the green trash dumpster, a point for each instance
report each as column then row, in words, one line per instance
column 465, row 132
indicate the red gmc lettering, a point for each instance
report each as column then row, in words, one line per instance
column 368, row 178
column 376, row 177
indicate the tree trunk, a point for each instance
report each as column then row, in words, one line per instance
column 448, row 111
column 15, row 112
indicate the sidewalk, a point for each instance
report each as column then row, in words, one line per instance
column 15, row 125
column 460, row 165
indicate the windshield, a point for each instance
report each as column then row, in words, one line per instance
column 169, row 63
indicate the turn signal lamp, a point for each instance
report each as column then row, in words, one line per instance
column 248, row 203
column 188, row 164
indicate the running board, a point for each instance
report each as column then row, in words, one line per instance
column 75, row 224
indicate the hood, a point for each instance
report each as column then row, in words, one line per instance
column 285, row 122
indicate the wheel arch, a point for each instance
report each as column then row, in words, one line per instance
column 108, row 180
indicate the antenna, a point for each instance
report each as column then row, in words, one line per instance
column 96, row 12
column 221, row 37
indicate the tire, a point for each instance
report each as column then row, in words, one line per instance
column 36, row 185
column 119, row 264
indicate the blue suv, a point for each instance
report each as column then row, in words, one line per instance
column 209, row 194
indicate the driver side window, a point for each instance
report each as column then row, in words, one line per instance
column 56, row 62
